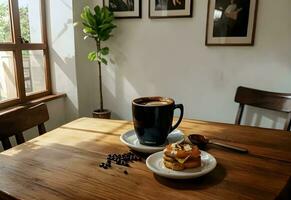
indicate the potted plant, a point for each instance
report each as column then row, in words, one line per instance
column 98, row 25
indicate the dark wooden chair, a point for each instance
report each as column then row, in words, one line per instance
column 263, row 99
column 15, row 122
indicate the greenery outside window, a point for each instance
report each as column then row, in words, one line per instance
column 24, row 56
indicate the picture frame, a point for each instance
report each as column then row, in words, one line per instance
column 124, row 8
column 170, row 8
column 231, row 22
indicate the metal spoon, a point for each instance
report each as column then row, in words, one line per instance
column 201, row 141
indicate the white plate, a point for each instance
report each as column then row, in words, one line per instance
column 155, row 163
column 130, row 139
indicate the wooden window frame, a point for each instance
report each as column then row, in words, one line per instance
column 16, row 46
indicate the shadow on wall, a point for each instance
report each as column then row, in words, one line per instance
column 113, row 90
column 66, row 4
column 64, row 29
column 65, row 66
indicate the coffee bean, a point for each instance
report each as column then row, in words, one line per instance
column 120, row 159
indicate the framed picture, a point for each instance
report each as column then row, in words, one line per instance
column 124, row 8
column 170, row 8
column 231, row 22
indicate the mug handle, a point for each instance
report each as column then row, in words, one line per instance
column 181, row 107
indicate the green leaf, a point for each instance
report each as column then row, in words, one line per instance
column 104, row 61
column 92, row 56
column 97, row 9
column 107, row 27
column 104, row 51
column 88, row 30
column 105, row 37
column 86, row 25
column 88, row 17
column 97, row 15
column 84, row 13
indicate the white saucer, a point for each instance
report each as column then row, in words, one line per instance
column 155, row 163
column 130, row 139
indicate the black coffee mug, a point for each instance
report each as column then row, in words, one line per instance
column 153, row 118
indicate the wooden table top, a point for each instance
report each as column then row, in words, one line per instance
column 63, row 164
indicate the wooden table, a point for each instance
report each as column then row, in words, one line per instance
column 63, row 164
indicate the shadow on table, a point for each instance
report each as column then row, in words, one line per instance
column 286, row 192
column 204, row 182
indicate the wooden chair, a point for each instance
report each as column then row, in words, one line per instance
column 263, row 99
column 15, row 122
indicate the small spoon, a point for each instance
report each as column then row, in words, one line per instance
column 201, row 141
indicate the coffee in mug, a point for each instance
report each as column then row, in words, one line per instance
column 153, row 118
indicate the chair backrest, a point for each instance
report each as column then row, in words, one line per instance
column 263, row 99
column 15, row 122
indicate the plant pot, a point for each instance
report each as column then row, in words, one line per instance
column 105, row 114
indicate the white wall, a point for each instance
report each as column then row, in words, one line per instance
column 168, row 57
column 62, row 54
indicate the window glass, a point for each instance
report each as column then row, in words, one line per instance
column 34, row 71
column 30, row 21
column 7, row 76
column 5, row 25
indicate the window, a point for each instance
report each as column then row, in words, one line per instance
column 24, row 61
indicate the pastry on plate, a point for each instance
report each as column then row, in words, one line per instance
column 181, row 156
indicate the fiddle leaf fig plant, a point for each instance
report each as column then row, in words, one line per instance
column 98, row 25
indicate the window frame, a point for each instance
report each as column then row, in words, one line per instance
column 16, row 46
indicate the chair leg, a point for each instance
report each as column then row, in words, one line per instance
column 288, row 123
column 19, row 138
column 41, row 129
column 6, row 143
column 239, row 114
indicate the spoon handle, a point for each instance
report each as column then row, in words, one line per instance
column 239, row 149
